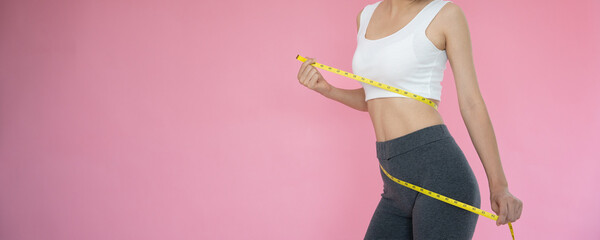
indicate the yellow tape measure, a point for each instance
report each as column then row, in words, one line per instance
column 408, row 185
column 447, row 200
column 371, row 82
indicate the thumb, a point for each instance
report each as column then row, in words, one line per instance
column 502, row 213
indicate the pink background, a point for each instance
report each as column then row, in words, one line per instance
column 185, row 120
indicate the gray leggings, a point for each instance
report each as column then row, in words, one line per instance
column 431, row 159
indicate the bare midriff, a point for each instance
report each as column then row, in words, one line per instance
column 394, row 117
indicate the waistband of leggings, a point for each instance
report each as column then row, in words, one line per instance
column 399, row 145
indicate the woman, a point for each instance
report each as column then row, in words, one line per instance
column 406, row 44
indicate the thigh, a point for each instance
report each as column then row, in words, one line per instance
column 434, row 219
column 388, row 223
column 449, row 175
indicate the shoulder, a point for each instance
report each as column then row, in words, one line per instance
column 358, row 19
column 358, row 15
column 362, row 10
column 452, row 18
column 450, row 8
column 452, row 13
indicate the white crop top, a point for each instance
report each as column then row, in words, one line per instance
column 406, row 59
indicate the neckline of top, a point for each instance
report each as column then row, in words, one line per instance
column 363, row 35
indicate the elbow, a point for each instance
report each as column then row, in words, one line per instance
column 362, row 108
column 469, row 103
column 365, row 107
column 471, row 106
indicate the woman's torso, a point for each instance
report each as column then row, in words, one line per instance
column 393, row 117
column 396, row 117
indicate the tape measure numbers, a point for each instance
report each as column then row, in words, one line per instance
column 406, row 184
column 447, row 200
column 371, row 82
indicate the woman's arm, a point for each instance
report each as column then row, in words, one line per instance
column 311, row 78
column 474, row 113
column 354, row 98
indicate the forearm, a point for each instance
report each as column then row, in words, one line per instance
column 354, row 98
column 482, row 135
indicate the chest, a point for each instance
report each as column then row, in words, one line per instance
column 380, row 27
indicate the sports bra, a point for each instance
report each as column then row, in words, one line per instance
column 406, row 59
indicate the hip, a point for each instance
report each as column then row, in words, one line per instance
column 429, row 158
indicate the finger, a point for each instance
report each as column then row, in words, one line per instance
column 312, row 62
column 305, row 75
column 515, row 210
column 303, row 67
column 502, row 214
column 313, row 81
column 508, row 212
column 520, row 209
column 309, row 61
column 495, row 206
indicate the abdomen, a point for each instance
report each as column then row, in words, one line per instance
column 394, row 117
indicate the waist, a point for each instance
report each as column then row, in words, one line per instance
column 420, row 137
column 396, row 116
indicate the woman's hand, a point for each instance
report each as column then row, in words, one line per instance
column 507, row 207
column 311, row 78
